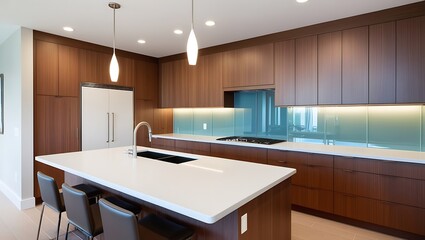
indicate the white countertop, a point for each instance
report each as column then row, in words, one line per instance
column 205, row 189
column 359, row 152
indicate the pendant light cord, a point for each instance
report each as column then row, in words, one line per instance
column 192, row 15
column 114, row 33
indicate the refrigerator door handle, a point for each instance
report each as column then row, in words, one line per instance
column 113, row 127
column 107, row 115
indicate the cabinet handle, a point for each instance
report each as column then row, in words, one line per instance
column 107, row 114
column 348, row 170
column 282, row 161
column 113, row 127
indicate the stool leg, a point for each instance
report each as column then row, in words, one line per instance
column 67, row 228
column 59, row 224
column 41, row 218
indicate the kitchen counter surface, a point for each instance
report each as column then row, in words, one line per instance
column 206, row 189
column 359, row 152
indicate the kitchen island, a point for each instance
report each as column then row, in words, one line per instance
column 218, row 198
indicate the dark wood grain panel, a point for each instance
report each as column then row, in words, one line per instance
column 47, row 68
column 143, row 111
column 193, row 147
column 146, row 81
column 251, row 66
column 126, row 76
column 317, row 199
column 355, row 66
column 69, row 82
column 213, row 71
column 306, row 71
column 329, row 68
column 181, row 83
column 284, row 67
column 382, row 63
column 167, row 84
column 88, row 66
column 162, row 143
column 250, row 154
column 411, row 60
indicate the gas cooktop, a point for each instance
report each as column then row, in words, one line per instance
column 266, row 141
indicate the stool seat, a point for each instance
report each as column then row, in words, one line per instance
column 89, row 190
column 123, row 204
column 154, row 227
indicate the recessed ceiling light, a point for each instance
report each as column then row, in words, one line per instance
column 302, row 1
column 68, row 29
column 178, row 31
column 210, row 23
column 141, row 41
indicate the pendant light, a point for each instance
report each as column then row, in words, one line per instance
column 192, row 45
column 114, row 69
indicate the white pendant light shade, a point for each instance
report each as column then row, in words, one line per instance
column 192, row 48
column 114, row 70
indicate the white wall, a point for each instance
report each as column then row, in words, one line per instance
column 16, row 145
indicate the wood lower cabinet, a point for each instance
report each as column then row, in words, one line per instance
column 249, row 154
column 57, row 128
column 381, row 192
column 313, row 182
column 162, row 143
column 193, row 147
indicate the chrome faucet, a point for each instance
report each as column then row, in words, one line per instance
column 135, row 135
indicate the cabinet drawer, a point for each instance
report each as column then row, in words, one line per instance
column 317, row 199
column 250, row 154
column 193, row 147
column 391, row 168
column 398, row 216
column 321, row 178
column 163, row 143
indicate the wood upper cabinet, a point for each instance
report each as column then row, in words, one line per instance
column 329, row 68
column 284, row 70
column 306, row 71
column 146, row 81
column 355, row 66
column 411, row 60
column 183, row 85
column 57, row 69
column 126, row 76
column 47, row 68
column 382, row 63
column 248, row 67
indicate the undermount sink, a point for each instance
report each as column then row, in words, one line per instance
column 164, row 157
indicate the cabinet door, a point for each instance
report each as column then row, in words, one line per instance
column 95, row 118
column 284, row 68
column 102, row 68
column 46, row 68
column 252, row 66
column 411, row 60
column 329, row 68
column 146, row 81
column 355, row 72
column 57, row 121
column 121, row 118
column 306, row 71
column 69, row 83
column 382, row 67
column 167, row 84
column 162, row 120
column 143, row 111
column 126, row 76
column 88, row 66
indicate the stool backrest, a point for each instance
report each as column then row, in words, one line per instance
column 50, row 192
column 78, row 208
column 118, row 223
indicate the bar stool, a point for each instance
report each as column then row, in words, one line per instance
column 52, row 198
column 80, row 213
column 120, row 223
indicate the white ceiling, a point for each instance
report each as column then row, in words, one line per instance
column 155, row 20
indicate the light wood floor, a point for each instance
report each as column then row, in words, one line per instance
column 22, row 225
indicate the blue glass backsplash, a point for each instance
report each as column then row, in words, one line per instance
column 254, row 114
